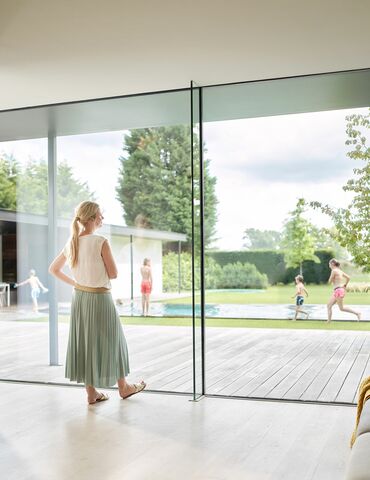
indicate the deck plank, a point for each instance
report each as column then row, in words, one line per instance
column 269, row 363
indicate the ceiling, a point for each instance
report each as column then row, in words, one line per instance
column 67, row 50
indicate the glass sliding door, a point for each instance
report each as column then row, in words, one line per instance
column 133, row 156
column 197, row 240
column 281, row 151
column 24, row 280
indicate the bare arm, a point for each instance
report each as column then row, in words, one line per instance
column 331, row 278
column 305, row 292
column 40, row 284
column 110, row 264
column 56, row 269
column 347, row 277
column 23, row 283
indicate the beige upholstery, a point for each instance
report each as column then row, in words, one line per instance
column 359, row 463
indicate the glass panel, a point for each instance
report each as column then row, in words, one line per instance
column 133, row 156
column 24, row 314
column 197, row 235
column 141, row 177
column 278, row 157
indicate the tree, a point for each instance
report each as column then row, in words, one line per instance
column 9, row 170
column 352, row 224
column 261, row 239
column 154, row 185
column 298, row 242
column 26, row 189
column 325, row 240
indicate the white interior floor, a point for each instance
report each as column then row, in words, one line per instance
column 48, row 432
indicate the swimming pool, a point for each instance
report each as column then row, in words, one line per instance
column 231, row 310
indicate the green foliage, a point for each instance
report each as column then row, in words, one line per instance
column 26, row 189
column 170, row 272
column 261, row 239
column 352, row 224
column 272, row 264
column 298, row 242
column 242, row 275
column 170, row 266
column 154, row 185
column 231, row 276
column 32, row 188
column 9, row 170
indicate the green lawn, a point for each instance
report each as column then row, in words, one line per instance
column 317, row 294
column 246, row 323
column 234, row 323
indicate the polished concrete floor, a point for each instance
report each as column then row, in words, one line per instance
column 49, row 433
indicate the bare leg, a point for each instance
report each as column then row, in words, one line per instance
column 347, row 309
column 35, row 305
column 147, row 303
column 92, row 394
column 143, row 304
column 330, row 304
column 125, row 389
column 296, row 313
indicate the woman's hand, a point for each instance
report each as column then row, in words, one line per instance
column 56, row 269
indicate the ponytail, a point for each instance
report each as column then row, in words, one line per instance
column 84, row 212
column 73, row 242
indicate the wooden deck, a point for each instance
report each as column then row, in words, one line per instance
column 308, row 365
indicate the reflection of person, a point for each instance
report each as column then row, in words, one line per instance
column 97, row 351
column 340, row 280
column 299, row 296
column 146, row 285
column 34, row 282
column 141, row 221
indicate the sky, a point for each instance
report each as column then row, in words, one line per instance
column 262, row 166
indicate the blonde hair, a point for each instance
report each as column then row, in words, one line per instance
column 84, row 212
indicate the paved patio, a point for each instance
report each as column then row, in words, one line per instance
column 269, row 363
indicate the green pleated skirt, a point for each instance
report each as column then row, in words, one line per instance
column 97, row 351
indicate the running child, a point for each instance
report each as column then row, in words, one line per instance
column 299, row 296
column 34, row 282
column 340, row 280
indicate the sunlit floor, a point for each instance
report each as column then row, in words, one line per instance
column 311, row 365
column 49, row 433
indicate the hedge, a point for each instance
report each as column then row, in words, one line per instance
column 272, row 264
column 236, row 275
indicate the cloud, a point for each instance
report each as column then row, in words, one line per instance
column 291, row 148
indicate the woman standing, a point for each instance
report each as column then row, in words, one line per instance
column 340, row 280
column 97, row 351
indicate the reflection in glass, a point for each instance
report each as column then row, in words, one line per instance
column 23, row 263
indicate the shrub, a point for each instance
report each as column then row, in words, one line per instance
column 170, row 272
column 242, row 275
column 231, row 276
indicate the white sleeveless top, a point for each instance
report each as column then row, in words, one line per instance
column 90, row 270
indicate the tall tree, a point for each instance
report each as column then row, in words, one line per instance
column 9, row 170
column 352, row 224
column 154, row 184
column 298, row 242
column 261, row 239
column 26, row 189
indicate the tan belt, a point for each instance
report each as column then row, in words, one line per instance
column 91, row 289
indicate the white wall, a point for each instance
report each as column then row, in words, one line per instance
column 60, row 51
